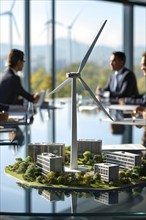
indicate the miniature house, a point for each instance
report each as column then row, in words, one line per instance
column 50, row 162
column 38, row 148
column 108, row 198
column 124, row 159
column 51, row 196
column 107, row 171
column 94, row 146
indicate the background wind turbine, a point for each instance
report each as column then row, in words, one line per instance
column 11, row 20
column 47, row 28
column 69, row 27
column 72, row 76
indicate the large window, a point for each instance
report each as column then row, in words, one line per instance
column 11, row 28
column 76, row 24
column 139, row 44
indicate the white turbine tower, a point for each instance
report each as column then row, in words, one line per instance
column 72, row 77
column 69, row 27
column 47, row 28
column 11, row 20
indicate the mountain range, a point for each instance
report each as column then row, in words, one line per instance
column 41, row 54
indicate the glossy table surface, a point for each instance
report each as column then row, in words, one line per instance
column 16, row 200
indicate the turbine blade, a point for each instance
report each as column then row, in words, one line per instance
column 59, row 23
column 12, row 5
column 48, row 22
column 67, row 81
column 5, row 13
column 16, row 26
column 42, row 32
column 90, row 49
column 56, row 22
column 74, row 20
column 94, row 98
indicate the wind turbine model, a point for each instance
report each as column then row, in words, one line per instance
column 12, row 18
column 72, row 76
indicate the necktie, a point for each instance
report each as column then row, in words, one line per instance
column 116, row 82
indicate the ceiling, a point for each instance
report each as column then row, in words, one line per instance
column 128, row 2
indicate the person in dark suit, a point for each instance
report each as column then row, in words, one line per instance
column 140, row 110
column 122, row 82
column 4, row 107
column 141, row 100
column 11, row 88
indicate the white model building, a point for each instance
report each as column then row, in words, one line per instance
column 50, row 162
column 107, row 171
column 51, row 196
column 108, row 198
column 123, row 159
column 38, row 148
column 92, row 145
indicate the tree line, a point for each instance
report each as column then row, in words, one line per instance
column 92, row 74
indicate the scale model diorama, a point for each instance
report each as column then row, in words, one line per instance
column 47, row 166
column 82, row 166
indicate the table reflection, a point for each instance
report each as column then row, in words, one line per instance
column 16, row 199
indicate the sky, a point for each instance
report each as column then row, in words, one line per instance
column 89, row 17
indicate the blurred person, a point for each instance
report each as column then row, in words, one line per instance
column 17, row 135
column 11, row 88
column 141, row 100
column 122, row 82
column 3, row 112
column 143, row 63
column 139, row 111
column 3, row 116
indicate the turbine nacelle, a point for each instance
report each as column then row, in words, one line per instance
column 72, row 75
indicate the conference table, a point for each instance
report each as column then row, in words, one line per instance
column 21, row 116
column 25, row 203
column 124, row 120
